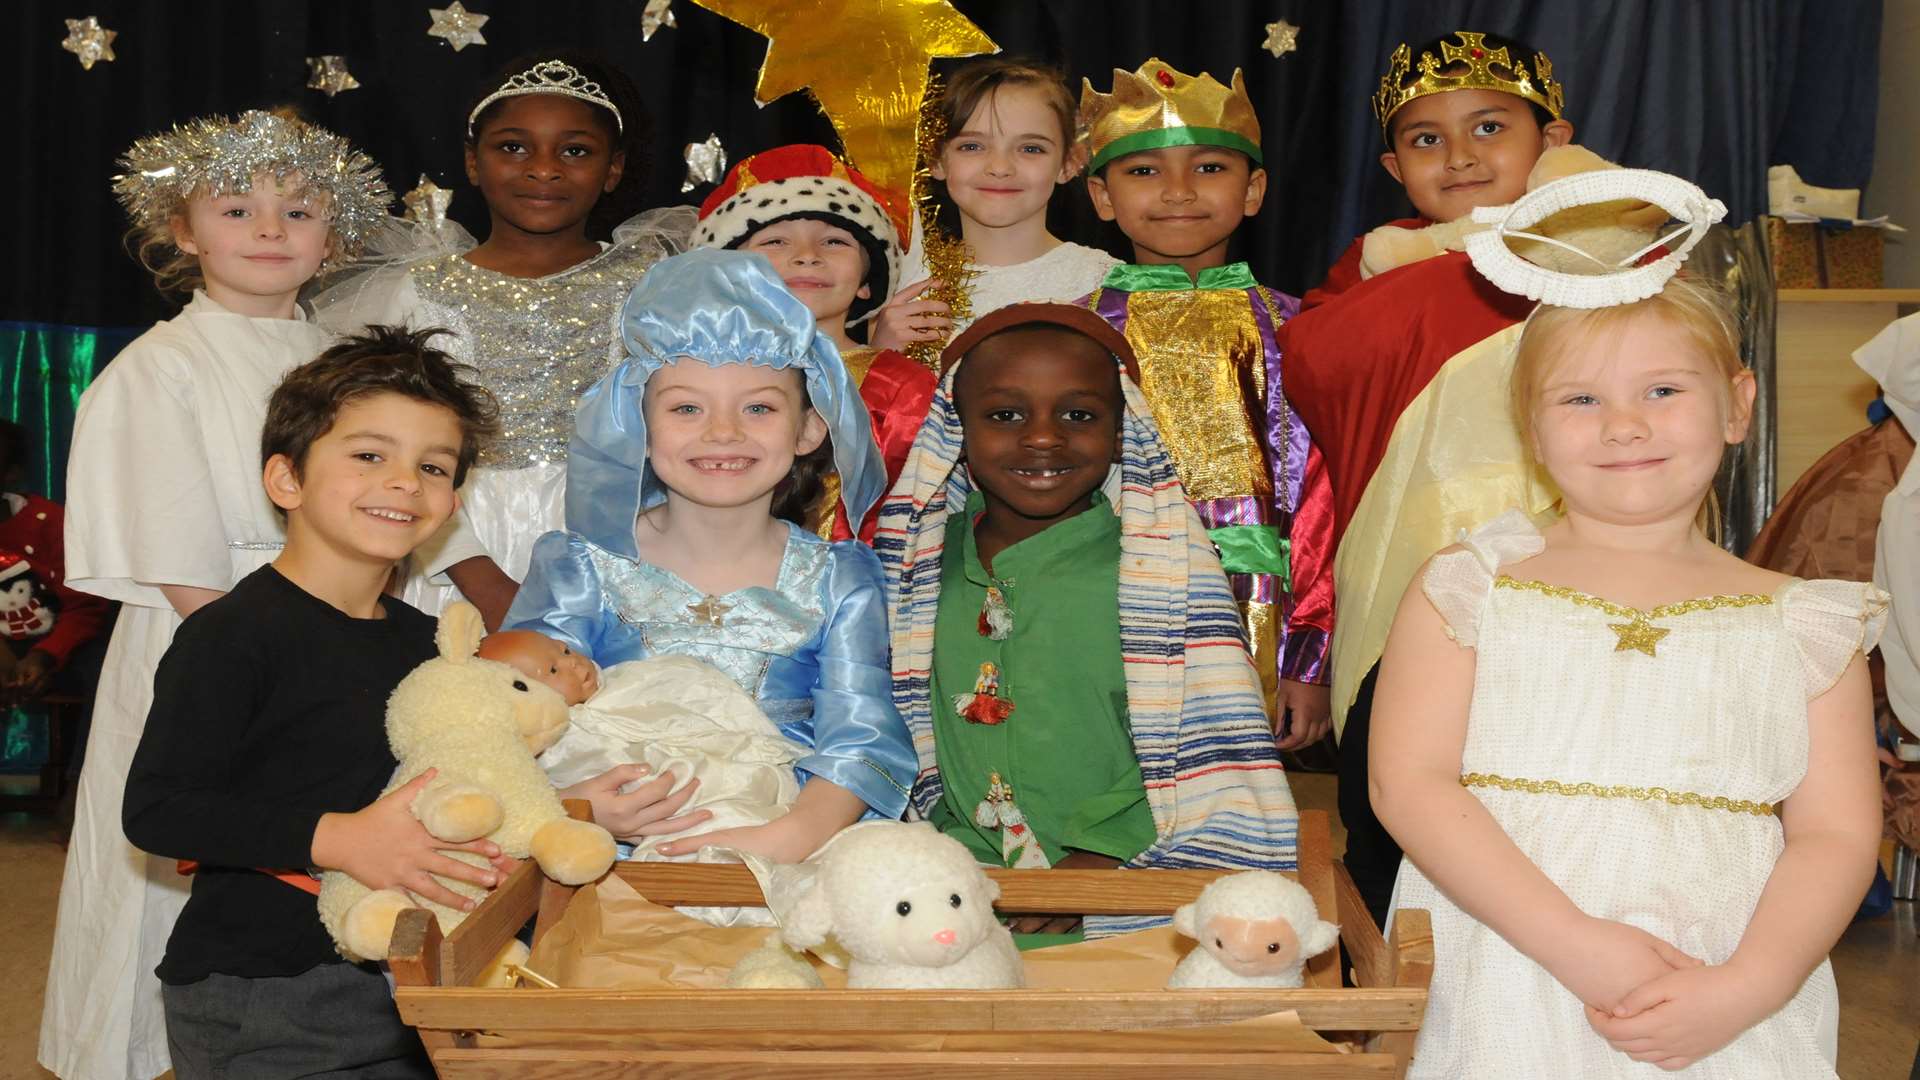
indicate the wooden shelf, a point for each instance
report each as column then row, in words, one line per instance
column 1848, row 296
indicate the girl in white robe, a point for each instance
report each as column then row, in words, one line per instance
column 166, row 508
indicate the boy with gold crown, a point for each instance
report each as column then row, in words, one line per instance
column 1399, row 361
column 1175, row 160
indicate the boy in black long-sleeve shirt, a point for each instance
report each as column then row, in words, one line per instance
column 266, row 744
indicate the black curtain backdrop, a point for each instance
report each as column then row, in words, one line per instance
column 1710, row 89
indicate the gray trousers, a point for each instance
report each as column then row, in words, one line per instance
column 336, row 1020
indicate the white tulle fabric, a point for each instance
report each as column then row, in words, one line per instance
column 1720, row 710
column 1604, row 286
column 676, row 714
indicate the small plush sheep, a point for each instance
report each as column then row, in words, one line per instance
column 912, row 910
column 1255, row 929
column 479, row 723
column 773, row 966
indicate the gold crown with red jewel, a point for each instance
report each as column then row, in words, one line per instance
column 1157, row 107
column 1470, row 65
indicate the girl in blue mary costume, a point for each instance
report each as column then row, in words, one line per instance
column 690, row 472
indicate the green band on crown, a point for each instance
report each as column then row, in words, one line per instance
column 1162, row 138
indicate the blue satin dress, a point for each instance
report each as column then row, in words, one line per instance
column 812, row 650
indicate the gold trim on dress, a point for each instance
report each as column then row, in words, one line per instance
column 1620, row 791
column 1622, row 611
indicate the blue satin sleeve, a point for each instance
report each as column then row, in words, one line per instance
column 561, row 598
column 859, row 741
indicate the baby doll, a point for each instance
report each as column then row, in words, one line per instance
column 674, row 714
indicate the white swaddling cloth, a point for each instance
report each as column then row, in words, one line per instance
column 680, row 715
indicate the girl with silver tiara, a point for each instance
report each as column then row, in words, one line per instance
column 556, row 147
column 166, row 511
column 691, row 475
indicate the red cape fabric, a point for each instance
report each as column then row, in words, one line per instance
column 898, row 392
column 1346, row 269
column 1354, row 363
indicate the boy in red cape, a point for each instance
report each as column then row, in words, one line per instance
column 1401, row 371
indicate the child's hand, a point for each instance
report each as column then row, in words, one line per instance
column 1305, row 715
column 1682, row 1016
column 648, row 810
column 906, row 319
column 1062, row 924
column 1604, row 961
column 383, row 846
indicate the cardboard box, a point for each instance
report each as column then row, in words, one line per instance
column 1808, row 255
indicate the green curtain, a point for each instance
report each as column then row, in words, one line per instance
column 44, row 368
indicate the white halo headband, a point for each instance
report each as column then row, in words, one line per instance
column 1623, row 282
column 551, row 77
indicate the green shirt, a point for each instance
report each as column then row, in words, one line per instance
column 1066, row 749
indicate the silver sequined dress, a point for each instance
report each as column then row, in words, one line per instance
column 538, row 344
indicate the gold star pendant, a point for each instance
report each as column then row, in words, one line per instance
column 329, row 74
column 89, row 41
column 1282, row 38
column 710, row 611
column 459, row 26
column 865, row 62
column 1638, row 635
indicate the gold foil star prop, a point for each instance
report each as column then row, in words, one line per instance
column 706, row 163
column 865, row 61
column 330, row 75
column 1282, row 38
column 427, row 203
column 89, row 41
column 459, row 26
column 1638, row 635
column 656, row 14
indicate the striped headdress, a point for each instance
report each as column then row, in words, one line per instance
column 1213, row 780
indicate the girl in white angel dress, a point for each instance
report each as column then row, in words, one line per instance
column 1633, row 776
column 165, row 510
column 554, row 145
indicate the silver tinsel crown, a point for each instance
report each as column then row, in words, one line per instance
column 217, row 156
column 551, row 77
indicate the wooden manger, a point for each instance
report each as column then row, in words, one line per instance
column 1320, row 1030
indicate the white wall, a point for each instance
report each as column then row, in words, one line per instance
column 1894, row 189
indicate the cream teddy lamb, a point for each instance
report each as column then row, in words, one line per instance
column 911, row 909
column 479, row 723
column 1256, row 928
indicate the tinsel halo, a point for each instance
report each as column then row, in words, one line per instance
column 218, row 156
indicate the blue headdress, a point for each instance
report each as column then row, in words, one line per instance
column 717, row 307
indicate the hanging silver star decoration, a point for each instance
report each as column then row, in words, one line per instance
column 706, row 163
column 427, row 203
column 459, row 26
column 656, row 14
column 89, row 41
column 329, row 75
column 1282, row 38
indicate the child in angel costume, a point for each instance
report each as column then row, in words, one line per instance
column 1042, row 565
column 1007, row 142
column 1633, row 775
column 532, row 308
column 693, row 466
column 1205, row 333
column 165, row 510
